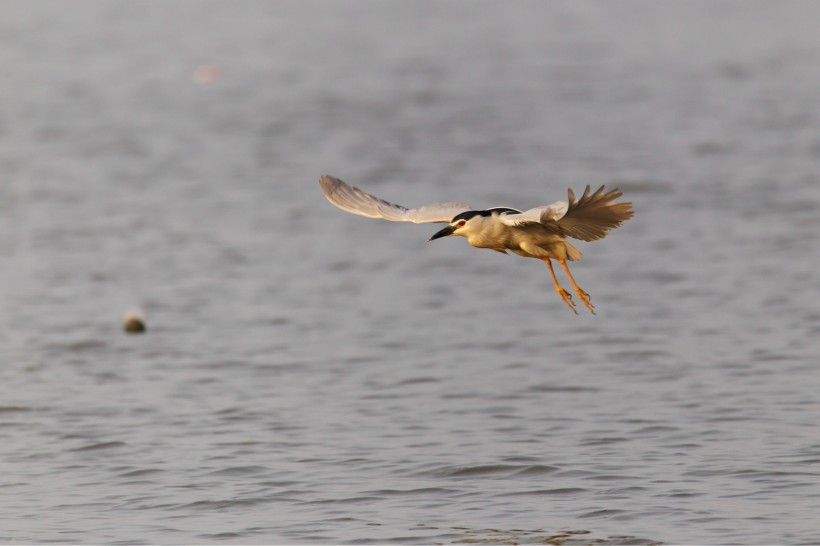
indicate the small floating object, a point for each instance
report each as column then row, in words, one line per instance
column 133, row 323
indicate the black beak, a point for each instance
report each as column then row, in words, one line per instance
column 443, row 233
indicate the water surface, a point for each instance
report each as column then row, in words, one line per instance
column 313, row 377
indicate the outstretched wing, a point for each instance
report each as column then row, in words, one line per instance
column 588, row 218
column 356, row 201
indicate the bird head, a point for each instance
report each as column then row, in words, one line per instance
column 460, row 225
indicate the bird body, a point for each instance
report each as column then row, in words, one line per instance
column 491, row 229
column 540, row 232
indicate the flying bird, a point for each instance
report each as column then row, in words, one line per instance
column 540, row 232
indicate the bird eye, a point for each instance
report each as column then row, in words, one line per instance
column 461, row 223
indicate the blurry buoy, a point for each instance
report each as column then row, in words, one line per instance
column 134, row 323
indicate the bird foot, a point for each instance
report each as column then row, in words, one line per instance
column 585, row 300
column 567, row 297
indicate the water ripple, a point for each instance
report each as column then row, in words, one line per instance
column 99, row 446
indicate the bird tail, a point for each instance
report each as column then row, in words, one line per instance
column 572, row 252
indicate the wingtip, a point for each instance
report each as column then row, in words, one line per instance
column 329, row 184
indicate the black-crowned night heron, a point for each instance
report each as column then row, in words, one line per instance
column 539, row 233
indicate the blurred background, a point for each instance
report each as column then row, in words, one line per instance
column 308, row 376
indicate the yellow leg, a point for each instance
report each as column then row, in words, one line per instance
column 581, row 294
column 566, row 296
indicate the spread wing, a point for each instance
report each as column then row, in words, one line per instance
column 356, row 201
column 588, row 218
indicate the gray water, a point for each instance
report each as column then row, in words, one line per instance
column 309, row 376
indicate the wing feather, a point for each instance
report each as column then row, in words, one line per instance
column 352, row 199
column 537, row 215
column 592, row 216
column 588, row 218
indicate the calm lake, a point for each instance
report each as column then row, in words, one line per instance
column 309, row 376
